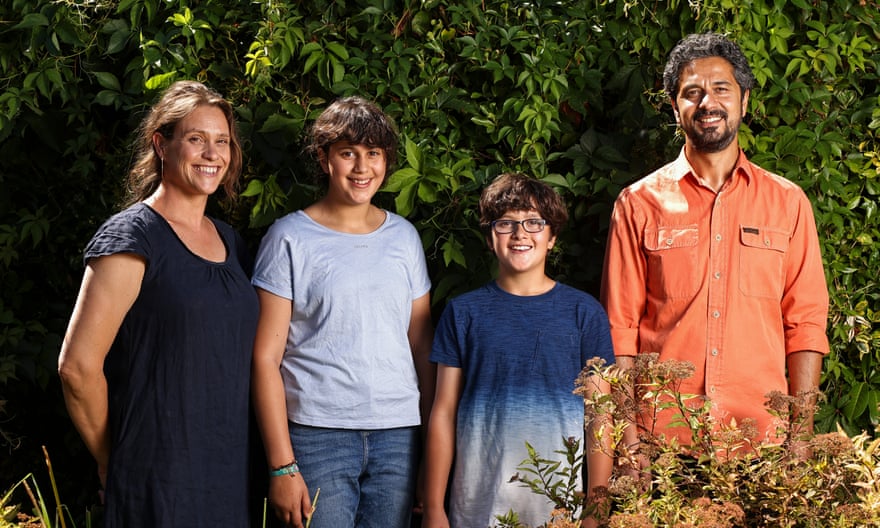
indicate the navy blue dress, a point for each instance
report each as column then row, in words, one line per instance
column 178, row 376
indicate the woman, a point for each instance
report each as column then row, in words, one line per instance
column 155, row 361
column 341, row 354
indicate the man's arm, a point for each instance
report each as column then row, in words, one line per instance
column 804, row 372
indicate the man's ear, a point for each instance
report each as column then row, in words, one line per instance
column 675, row 111
column 745, row 102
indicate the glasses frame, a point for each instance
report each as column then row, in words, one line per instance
column 521, row 223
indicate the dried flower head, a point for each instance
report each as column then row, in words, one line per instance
column 831, row 445
column 623, row 486
column 630, row 520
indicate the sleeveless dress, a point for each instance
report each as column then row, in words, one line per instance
column 178, row 376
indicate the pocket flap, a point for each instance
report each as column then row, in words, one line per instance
column 671, row 237
column 764, row 237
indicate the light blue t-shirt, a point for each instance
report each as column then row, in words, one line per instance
column 519, row 357
column 348, row 363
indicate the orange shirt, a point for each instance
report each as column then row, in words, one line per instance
column 730, row 281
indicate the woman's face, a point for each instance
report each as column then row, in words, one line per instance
column 196, row 158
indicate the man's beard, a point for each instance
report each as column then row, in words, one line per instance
column 714, row 140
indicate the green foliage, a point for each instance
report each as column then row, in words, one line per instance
column 569, row 92
column 558, row 481
column 12, row 516
column 724, row 479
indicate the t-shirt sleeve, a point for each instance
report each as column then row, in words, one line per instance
column 447, row 345
column 273, row 267
column 421, row 282
column 596, row 336
column 121, row 233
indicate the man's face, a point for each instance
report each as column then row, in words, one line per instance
column 709, row 106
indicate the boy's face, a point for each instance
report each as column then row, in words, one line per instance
column 520, row 251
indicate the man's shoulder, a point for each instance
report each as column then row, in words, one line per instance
column 767, row 178
column 660, row 178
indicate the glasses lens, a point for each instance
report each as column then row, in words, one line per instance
column 534, row 225
column 503, row 227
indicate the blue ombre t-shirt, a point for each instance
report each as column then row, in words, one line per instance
column 519, row 357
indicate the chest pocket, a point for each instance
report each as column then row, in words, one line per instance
column 761, row 259
column 671, row 253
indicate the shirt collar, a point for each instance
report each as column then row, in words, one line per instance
column 744, row 169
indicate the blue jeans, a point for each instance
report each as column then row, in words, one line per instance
column 367, row 477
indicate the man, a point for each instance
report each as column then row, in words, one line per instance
column 713, row 260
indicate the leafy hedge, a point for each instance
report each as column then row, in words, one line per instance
column 567, row 91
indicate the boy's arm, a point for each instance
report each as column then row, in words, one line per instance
column 599, row 450
column 441, row 444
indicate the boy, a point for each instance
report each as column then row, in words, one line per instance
column 507, row 356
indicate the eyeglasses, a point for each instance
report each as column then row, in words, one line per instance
column 529, row 225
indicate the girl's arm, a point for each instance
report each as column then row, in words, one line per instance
column 288, row 494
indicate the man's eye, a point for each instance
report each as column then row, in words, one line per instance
column 533, row 222
column 504, row 224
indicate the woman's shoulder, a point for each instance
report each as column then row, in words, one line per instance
column 137, row 218
column 131, row 230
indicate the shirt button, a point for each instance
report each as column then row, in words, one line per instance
column 767, row 242
column 669, row 241
column 712, row 390
column 716, row 314
column 714, row 351
column 718, row 238
column 717, row 275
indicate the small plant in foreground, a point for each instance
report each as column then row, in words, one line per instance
column 11, row 515
column 724, row 478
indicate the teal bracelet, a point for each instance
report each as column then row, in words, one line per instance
column 290, row 469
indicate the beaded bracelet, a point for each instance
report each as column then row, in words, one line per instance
column 287, row 469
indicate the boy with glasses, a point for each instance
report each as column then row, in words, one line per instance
column 508, row 354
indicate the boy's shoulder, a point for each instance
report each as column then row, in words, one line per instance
column 476, row 295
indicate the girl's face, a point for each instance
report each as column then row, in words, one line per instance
column 521, row 251
column 355, row 171
column 196, row 158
